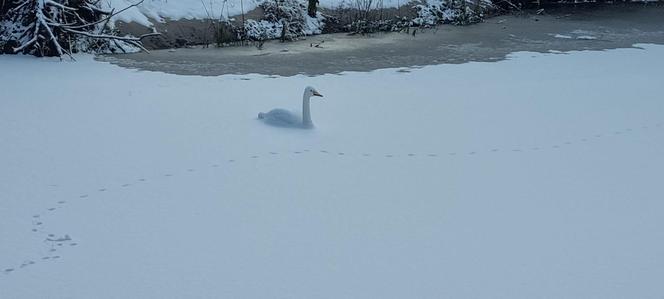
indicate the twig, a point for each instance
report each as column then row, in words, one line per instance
column 110, row 15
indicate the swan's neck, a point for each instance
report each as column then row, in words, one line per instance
column 306, row 111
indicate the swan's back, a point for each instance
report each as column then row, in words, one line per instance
column 281, row 118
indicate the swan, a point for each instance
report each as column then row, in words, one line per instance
column 284, row 118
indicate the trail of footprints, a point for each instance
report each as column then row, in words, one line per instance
column 53, row 242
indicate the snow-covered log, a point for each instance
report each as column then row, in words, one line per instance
column 60, row 27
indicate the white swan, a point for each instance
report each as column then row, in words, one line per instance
column 284, row 118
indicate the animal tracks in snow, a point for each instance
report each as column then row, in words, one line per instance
column 54, row 243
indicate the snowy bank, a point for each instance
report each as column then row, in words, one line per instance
column 162, row 10
column 260, row 19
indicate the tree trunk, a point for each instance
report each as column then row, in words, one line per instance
column 311, row 10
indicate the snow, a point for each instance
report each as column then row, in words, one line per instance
column 292, row 12
column 332, row 4
column 586, row 37
column 537, row 176
column 562, row 36
column 580, row 34
column 431, row 12
column 161, row 10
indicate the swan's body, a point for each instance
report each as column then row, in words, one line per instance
column 284, row 118
column 281, row 117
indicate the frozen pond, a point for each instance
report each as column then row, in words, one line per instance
column 536, row 176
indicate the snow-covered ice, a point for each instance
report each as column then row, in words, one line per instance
column 576, row 34
column 537, row 176
column 586, row 37
column 562, row 36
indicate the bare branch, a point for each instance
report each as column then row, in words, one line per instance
column 125, row 38
column 110, row 15
column 50, row 2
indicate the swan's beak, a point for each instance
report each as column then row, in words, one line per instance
column 317, row 94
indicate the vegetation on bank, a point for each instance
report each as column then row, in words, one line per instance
column 63, row 27
column 289, row 20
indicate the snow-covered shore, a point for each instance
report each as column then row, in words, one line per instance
column 197, row 22
column 537, row 176
column 162, row 10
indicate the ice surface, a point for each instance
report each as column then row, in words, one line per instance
column 537, row 176
column 586, row 37
column 562, row 36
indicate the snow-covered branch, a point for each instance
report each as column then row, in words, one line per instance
column 60, row 27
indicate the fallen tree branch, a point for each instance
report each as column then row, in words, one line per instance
column 61, row 27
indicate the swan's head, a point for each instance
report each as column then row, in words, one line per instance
column 311, row 92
